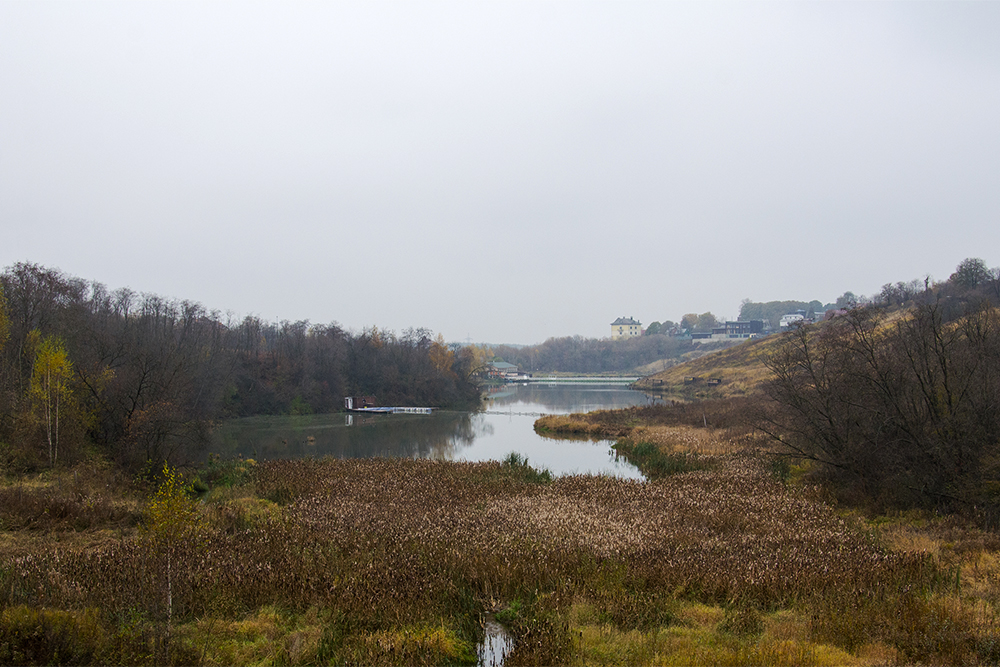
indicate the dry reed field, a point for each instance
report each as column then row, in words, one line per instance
column 396, row 562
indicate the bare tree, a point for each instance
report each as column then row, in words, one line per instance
column 907, row 411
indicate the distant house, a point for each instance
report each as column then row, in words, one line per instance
column 732, row 332
column 625, row 327
column 792, row 320
column 500, row 369
column 745, row 329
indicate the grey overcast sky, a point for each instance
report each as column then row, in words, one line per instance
column 504, row 171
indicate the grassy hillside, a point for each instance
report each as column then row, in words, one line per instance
column 740, row 370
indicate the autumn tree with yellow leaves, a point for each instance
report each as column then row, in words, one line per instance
column 172, row 521
column 441, row 357
column 49, row 390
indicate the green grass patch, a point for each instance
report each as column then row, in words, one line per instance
column 219, row 472
column 518, row 465
column 655, row 463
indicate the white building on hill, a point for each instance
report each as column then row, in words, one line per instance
column 625, row 328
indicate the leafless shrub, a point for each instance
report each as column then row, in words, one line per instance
column 900, row 413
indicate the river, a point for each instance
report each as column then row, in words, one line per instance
column 504, row 425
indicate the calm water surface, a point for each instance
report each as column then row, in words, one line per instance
column 505, row 425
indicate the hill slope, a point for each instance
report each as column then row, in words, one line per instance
column 739, row 370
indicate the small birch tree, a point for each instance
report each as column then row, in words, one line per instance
column 49, row 388
column 172, row 521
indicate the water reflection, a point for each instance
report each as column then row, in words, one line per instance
column 348, row 436
column 565, row 397
column 505, row 426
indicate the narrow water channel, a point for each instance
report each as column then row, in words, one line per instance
column 496, row 643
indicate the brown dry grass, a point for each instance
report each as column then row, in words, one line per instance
column 969, row 555
column 395, row 545
column 86, row 506
column 740, row 368
column 707, row 427
column 392, row 561
column 677, row 439
column 575, row 426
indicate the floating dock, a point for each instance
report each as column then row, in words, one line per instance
column 393, row 411
column 367, row 404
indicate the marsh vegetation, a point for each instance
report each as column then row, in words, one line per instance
column 399, row 561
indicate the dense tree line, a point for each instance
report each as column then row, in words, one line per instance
column 899, row 406
column 575, row 354
column 142, row 377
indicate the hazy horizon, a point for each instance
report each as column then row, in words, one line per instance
column 501, row 171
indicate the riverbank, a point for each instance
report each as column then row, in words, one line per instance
column 385, row 561
column 666, row 440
